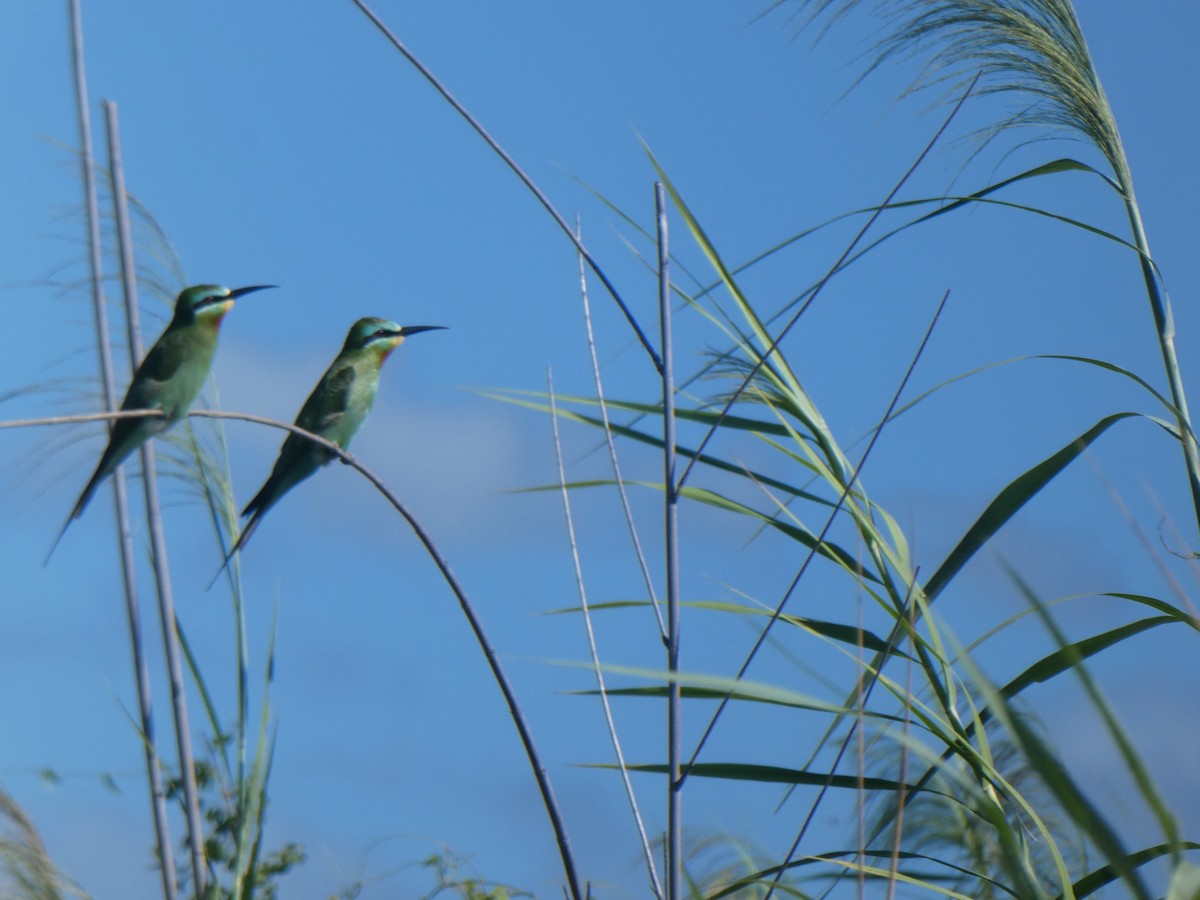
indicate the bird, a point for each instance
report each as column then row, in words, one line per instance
column 168, row 379
column 335, row 410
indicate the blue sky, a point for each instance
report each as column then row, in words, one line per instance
column 299, row 149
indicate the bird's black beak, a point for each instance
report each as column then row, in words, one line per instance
column 242, row 291
column 407, row 330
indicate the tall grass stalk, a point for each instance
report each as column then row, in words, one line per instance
column 726, row 276
column 158, row 796
column 671, row 549
column 593, row 652
column 162, row 574
column 120, row 493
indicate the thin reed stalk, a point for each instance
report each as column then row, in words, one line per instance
column 162, row 581
column 902, row 776
column 671, row 532
column 158, row 796
column 120, row 492
column 652, row 870
column 593, row 651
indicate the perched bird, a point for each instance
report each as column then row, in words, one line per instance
column 168, row 379
column 334, row 410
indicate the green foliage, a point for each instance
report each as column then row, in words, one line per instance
column 452, row 878
column 971, row 798
column 237, row 872
column 447, row 869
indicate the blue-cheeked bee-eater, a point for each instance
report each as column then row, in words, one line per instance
column 168, row 379
column 335, row 410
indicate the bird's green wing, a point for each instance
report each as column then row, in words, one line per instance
column 329, row 400
column 161, row 364
column 300, row 457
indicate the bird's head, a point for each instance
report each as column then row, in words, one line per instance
column 209, row 302
column 381, row 336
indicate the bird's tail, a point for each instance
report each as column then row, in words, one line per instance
column 80, row 505
column 237, row 546
column 67, row 524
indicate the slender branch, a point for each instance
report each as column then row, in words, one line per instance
column 609, row 723
column 80, row 418
column 158, row 796
column 517, row 170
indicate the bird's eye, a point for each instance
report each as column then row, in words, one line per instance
column 381, row 332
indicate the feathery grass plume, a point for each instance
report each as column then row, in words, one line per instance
column 1034, row 50
column 28, row 872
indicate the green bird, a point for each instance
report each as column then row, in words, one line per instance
column 168, row 379
column 335, row 410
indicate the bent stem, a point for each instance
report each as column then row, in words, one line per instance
column 489, row 652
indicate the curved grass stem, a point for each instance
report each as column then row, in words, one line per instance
column 460, row 594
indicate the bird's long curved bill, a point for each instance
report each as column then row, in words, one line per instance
column 408, row 330
column 242, row 291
